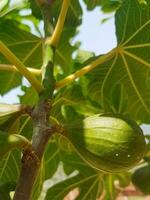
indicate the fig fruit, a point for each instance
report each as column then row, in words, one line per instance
column 8, row 142
column 108, row 142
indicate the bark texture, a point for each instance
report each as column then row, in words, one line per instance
column 32, row 157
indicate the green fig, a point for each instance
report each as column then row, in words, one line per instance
column 10, row 141
column 108, row 142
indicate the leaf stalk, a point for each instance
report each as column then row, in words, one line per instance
column 21, row 67
column 53, row 41
column 12, row 68
column 85, row 70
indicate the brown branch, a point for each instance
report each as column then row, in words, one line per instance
column 42, row 130
column 41, row 2
column 32, row 157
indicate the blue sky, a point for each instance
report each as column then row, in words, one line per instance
column 95, row 35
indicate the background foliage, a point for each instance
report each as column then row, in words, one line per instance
column 119, row 85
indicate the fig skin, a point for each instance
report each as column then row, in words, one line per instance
column 8, row 142
column 108, row 142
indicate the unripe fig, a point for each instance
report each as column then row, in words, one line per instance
column 108, row 142
column 9, row 142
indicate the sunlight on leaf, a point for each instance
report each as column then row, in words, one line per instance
column 130, row 66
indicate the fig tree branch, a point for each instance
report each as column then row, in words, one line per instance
column 43, row 2
column 21, row 67
column 31, row 160
column 85, row 70
column 40, row 2
column 42, row 129
column 12, row 68
column 53, row 41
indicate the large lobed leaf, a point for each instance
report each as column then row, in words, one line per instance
column 87, row 182
column 9, row 172
column 106, row 5
column 125, row 78
column 26, row 46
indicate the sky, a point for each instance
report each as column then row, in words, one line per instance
column 95, row 36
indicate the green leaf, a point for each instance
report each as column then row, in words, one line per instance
column 35, row 9
column 92, row 4
column 143, row 2
column 30, row 96
column 140, row 179
column 10, row 167
column 110, row 181
column 73, row 160
column 72, row 100
column 63, row 106
column 83, row 56
column 9, row 80
column 65, row 59
column 27, row 47
column 107, row 5
column 89, row 184
column 26, row 127
column 118, row 98
column 87, row 180
column 11, row 8
column 129, row 67
column 5, row 189
column 51, row 158
column 49, row 165
column 3, row 4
